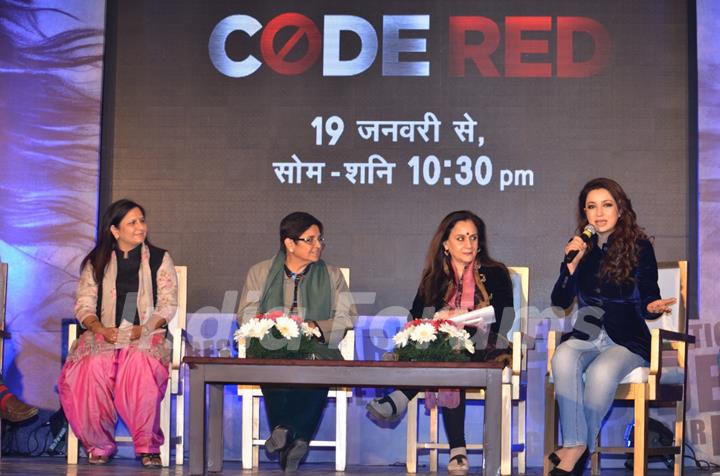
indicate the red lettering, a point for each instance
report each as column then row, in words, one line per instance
column 566, row 65
column 460, row 51
column 305, row 28
column 516, row 47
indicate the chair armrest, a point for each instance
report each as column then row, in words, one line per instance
column 680, row 341
column 347, row 345
column 72, row 334
column 241, row 348
column 521, row 343
column 675, row 336
column 178, row 342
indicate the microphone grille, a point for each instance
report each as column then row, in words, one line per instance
column 589, row 229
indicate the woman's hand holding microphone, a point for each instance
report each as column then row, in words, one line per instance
column 576, row 244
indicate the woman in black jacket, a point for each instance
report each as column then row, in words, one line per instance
column 614, row 279
column 459, row 275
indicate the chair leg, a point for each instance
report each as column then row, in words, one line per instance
column 641, row 434
column 551, row 437
column 72, row 447
column 522, row 437
column 180, row 428
column 506, row 430
column 433, row 455
column 595, row 458
column 246, row 449
column 341, row 409
column 165, row 411
column 679, row 437
column 256, row 431
column 411, row 438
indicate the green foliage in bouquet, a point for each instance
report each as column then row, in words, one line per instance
column 275, row 346
column 276, row 336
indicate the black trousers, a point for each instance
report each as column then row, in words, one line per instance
column 299, row 409
column 453, row 419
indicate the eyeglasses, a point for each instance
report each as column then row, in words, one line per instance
column 311, row 240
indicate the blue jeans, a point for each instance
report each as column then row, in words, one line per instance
column 584, row 404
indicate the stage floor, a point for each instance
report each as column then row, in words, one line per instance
column 56, row 466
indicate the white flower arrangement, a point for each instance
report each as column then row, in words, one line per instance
column 433, row 340
column 264, row 333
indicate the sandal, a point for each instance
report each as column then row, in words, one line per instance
column 388, row 408
column 101, row 459
column 151, row 460
column 458, row 465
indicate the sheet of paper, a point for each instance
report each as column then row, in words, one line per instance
column 485, row 315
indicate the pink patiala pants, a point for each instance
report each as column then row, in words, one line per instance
column 98, row 387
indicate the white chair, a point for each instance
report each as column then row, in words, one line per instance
column 175, row 387
column 513, row 392
column 251, row 441
column 659, row 384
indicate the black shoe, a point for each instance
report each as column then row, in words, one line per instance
column 293, row 454
column 279, row 439
column 577, row 470
column 579, row 467
column 554, row 458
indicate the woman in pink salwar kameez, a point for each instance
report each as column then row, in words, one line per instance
column 119, row 365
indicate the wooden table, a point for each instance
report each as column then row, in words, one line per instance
column 218, row 372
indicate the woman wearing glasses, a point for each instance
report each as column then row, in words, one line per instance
column 297, row 281
column 459, row 275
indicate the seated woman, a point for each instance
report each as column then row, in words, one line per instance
column 616, row 273
column 459, row 275
column 119, row 365
column 298, row 282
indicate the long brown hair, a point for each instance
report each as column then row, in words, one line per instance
column 99, row 257
column 622, row 254
column 438, row 277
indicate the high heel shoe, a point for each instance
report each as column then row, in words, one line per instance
column 577, row 470
column 579, row 467
column 554, row 458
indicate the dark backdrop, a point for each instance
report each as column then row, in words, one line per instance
column 196, row 147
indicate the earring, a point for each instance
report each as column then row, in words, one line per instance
column 446, row 252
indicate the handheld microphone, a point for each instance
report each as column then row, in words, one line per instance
column 586, row 236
